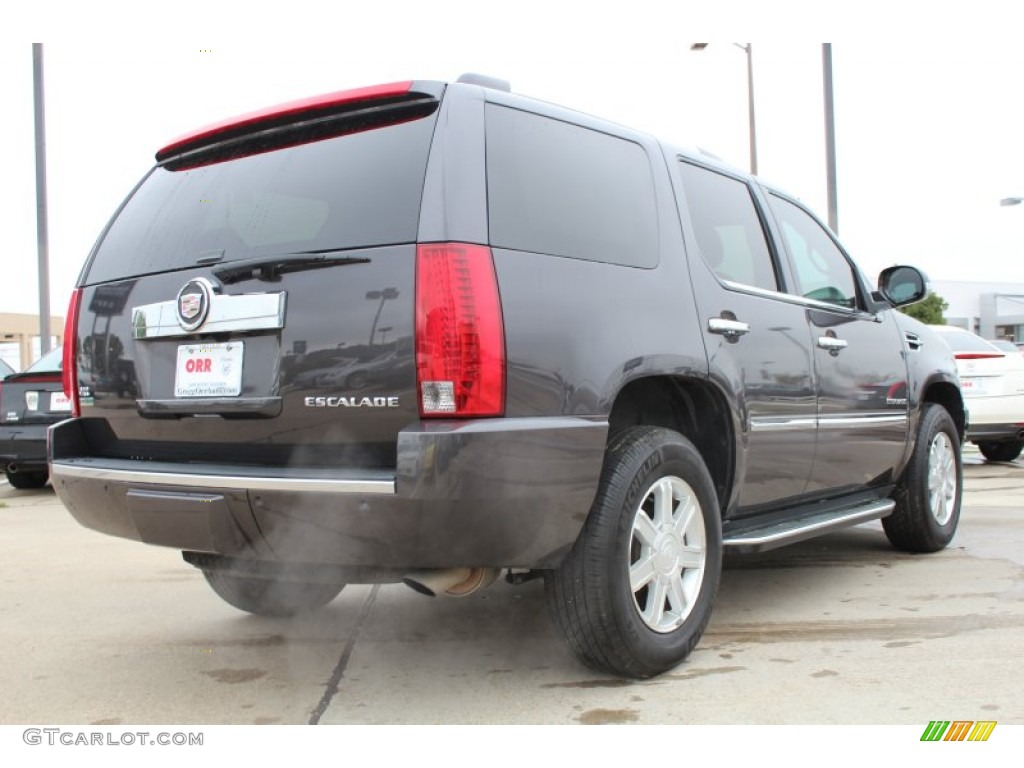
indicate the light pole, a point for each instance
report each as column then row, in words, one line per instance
column 749, row 50
column 830, row 138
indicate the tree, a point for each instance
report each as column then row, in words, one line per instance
column 929, row 310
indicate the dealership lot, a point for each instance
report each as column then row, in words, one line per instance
column 842, row 629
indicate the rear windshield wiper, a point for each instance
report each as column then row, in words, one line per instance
column 270, row 268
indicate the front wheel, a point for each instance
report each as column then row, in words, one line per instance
column 928, row 496
column 1005, row 451
column 635, row 593
column 270, row 597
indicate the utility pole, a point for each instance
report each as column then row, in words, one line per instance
column 42, row 237
column 830, row 137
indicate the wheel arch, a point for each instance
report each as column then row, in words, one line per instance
column 692, row 407
column 947, row 394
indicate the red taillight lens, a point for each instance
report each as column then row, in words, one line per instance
column 69, row 367
column 977, row 355
column 460, row 338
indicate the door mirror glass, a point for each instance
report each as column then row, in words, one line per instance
column 902, row 285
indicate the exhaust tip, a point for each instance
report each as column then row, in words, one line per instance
column 453, row 582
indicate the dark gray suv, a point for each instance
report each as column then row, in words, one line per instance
column 431, row 332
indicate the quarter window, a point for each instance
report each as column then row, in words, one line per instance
column 561, row 189
column 728, row 227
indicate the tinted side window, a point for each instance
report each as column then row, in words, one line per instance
column 821, row 271
column 728, row 228
column 561, row 189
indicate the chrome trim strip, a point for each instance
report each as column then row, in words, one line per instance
column 245, row 312
column 366, row 486
column 861, row 514
column 762, row 424
column 782, row 425
column 792, row 298
column 873, row 420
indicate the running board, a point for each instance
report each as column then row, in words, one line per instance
column 792, row 531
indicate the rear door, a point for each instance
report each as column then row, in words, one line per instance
column 757, row 338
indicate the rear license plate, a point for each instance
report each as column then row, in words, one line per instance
column 59, row 402
column 973, row 387
column 209, row 370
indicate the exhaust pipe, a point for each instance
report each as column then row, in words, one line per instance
column 454, row 582
column 12, row 468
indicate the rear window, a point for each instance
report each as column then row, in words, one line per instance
column 358, row 190
column 561, row 189
column 965, row 341
column 51, row 362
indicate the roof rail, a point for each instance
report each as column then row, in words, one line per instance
column 496, row 83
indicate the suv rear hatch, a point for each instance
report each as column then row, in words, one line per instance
column 252, row 302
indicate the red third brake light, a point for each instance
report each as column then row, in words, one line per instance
column 460, row 338
column 69, row 369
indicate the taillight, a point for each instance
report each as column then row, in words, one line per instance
column 69, row 367
column 978, row 355
column 460, row 338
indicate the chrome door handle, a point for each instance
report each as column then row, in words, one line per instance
column 731, row 329
column 832, row 344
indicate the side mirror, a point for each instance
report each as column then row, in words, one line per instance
column 902, row 285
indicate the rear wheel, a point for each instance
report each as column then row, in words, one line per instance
column 928, row 496
column 270, row 597
column 635, row 593
column 25, row 480
column 1006, row 451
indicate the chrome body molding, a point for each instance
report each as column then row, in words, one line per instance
column 826, row 422
column 245, row 312
column 381, row 484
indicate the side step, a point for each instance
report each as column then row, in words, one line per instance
column 778, row 534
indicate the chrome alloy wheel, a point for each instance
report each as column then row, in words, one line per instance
column 667, row 553
column 942, row 480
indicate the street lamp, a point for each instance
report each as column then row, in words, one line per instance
column 1011, row 201
column 748, row 49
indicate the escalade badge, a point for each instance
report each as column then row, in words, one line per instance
column 193, row 303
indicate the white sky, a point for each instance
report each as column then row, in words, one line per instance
column 928, row 130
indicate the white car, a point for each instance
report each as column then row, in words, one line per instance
column 992, row 382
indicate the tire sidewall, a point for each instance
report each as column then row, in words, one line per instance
column 668, row 455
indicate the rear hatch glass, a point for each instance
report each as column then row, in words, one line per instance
column 352, row 191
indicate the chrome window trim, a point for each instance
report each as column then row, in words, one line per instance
column 245, row 312
column 357, row 486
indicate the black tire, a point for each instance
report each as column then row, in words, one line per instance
column 1005, row 451
column 609, row 625
column 26, row 480
column 929, row 493
column 270, row 597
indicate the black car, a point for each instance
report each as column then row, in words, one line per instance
column 30, row 402
column 429, row 332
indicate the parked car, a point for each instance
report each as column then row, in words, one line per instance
column 584, row 355
column 30, row 402
column 992, row 381
column 1005, row 345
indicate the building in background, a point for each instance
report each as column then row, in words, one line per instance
column 992, row 309
column 19, row 338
